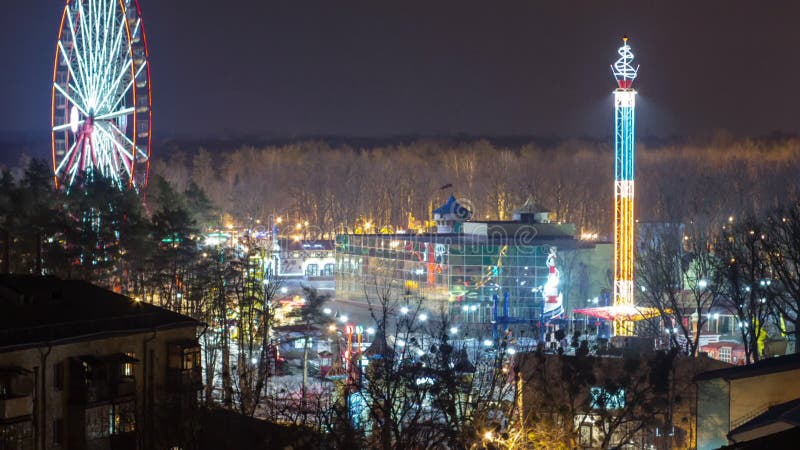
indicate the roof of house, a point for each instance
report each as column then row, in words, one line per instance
column 42, row 310
column 784, row 439
column 788, row 412
column 762, row 367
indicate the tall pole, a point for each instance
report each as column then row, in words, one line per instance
column 624, row 150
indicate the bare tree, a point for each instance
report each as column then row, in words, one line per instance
column 675, row 274
column 744, row 280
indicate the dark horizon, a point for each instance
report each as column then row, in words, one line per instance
column 375, row 70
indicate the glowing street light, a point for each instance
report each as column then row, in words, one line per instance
column 453, row 330
column 404, row 310
column 423, row 317
column 343, row 319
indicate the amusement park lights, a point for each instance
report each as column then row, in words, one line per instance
column 624, row 149
column 101, row 100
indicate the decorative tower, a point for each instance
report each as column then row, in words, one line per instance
column 624, row 149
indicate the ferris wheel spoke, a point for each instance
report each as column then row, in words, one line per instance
column 67, row 157
column 72, row 74
column 72, row 100
column 67, row 126
column 79, row 44
column 113, row 75
column 127, row 159
column 132, row 145
column 75, row 163
column 113, row 88
column 115, row 114
column 78, row 50
column 136, row 28
column 116, row 142
column 124, row 92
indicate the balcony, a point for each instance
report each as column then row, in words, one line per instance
column 125, row 387
column 14, row 407
column 184, row 379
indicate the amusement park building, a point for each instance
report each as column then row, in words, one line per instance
column 526, row 270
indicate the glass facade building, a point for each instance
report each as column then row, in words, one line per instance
column 508, row 272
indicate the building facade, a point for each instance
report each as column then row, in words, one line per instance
column 730, row 398
column 519, row 271
column 85, row 368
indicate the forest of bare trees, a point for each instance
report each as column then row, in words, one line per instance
column 335, row 186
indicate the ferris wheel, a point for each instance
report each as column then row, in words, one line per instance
column 101, row 102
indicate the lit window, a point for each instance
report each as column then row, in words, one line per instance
column 725, row 354
column 127, row 368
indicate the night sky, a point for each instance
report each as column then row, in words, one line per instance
column 379, row 68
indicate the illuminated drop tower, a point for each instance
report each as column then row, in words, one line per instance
column 624, row 149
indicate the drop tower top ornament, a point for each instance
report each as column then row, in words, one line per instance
column 623, row 70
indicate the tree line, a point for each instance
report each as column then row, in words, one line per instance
column 333, row 187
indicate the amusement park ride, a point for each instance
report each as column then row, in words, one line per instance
column 624, row 150
column 101, row 115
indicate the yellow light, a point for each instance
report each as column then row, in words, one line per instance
column 229, row 226
column 305, row 223
column 278, row 220
column 487, row 435
column 296, row 238
column 299, row 226
column 331, row 327
column 367, row 225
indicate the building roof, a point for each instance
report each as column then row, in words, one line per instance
column 452, row 209
column 530, row 207
column 517, row 239
column 788, row 413
column 763, row 367
column 306, row 245
column 42, row 310
column 784, row 439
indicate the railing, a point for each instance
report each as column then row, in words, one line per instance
column 11, row 407
column 125, row 387
column 749, row 416
column 184, row 379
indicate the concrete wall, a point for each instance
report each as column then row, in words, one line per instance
column 713, row 419
column 723, row 405
column 756, row 394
